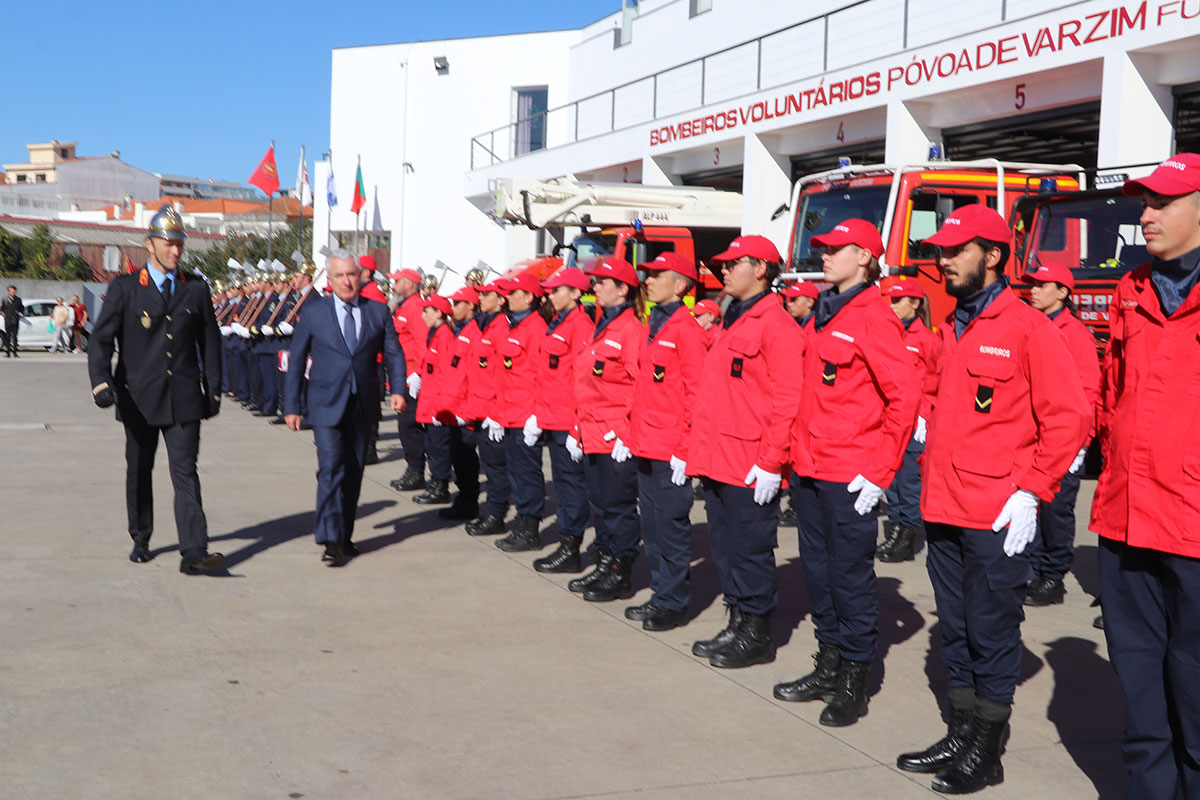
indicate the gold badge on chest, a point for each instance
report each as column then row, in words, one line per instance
column 146, row 320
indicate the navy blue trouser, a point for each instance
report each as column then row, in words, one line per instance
column 237, row 355
column 183, row 447
column 1053, row 549
column 1151, row 606
column 341, row 453
column 979, row 593
column 904, row 495
column 226, row 369
column 526, row 484
column 570, row 485
column 612, row 493
column 495, row 468
column 743, row 536
column 837, row 549
column 437, row 451
column 270, row 380
column 253, row 377
column 667, row 533
column 464, row 460
column 412, row 435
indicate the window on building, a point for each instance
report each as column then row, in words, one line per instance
column 112, row 258
column 71, row 249
column 699, row 7
column 21, row 179
column 41, row 177
column 63, row 151
column 531, row 119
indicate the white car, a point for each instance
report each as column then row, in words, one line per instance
column 35, row 330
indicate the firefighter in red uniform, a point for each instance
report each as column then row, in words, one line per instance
column 481, row 401
column 799, row 299
column 1010, row 416
column 911, row 305
column 1147, row 503
column 663, row 399
column 745, row 405
column 857, row 410
column 567, row 333
column 411, row 330
column 604, row 375
column 1054, row 548
column 708, row 314
column 452, row 404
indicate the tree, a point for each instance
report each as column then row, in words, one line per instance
column 38, row 253
column 250, row 247
column 10, row 254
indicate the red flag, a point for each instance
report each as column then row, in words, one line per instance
column 129, row 267
column 266, row 177
column 360, row 193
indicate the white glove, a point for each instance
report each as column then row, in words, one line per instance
column 678, row 471
column 494, row 429
column 243, row 332
column 574, row 449
column 1077, row 464
column 437, row 423
column 531, row 431
column 268, row 330
column 285, row 328
column 414, row 384
column 462, row 423
column 919, row 433
column 1020, row 515
column 766, row 484
column 226, row 330
column 620, row 453
column 868, row 494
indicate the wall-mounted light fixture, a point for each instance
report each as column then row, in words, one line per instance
column 441, row 65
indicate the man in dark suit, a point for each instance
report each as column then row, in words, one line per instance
column 12, row 308
column 168, row 378
column 343, row 335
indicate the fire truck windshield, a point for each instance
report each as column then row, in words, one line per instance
column 1097, row 236
column 589, row 248
column 820, row 211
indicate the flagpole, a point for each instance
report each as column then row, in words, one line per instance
column 328, row 205
column 300, row 197
column 356, row 213
column 270, row 214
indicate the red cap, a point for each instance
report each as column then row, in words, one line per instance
column 367, row 263
column 707, row 307
column 1179, row 174
column 968, row 222
column 670, row 260
column 499, row 286
column 411, row 274
column 852, row 231
column 902, row 287
column 1052, row 271
column 759, row 247
column 526, row 282
column 802, row 289
column 440, row 302
column 616, row 268
column 467, row 294
column 568, row 276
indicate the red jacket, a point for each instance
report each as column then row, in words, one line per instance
column 554, row 401
column 519, row 350
column 748, row 395
column 454, row 386
column 664, row 394
column 1149, row 491
column 924, row 344
column 1010, row 414
column 484, row 370
column 411, row 330
column 859, row 396
column 1081, row 344
column 604, row 374
column 430, row 400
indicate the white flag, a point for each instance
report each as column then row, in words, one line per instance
column 330, row 189
column 303, row 190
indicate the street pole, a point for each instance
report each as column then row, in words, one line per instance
column 270, row 214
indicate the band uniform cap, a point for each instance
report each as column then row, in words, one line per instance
column 525, row 282
column 411, row 274
column 852, row 231
column 1179, row 174
column 674, row 262
column 970, row 222
column 616, row 268
column 475, row 277
column 167, row 224
column 759, row 247
column 466, row 294
column 707, row 307
column 440, row 302
column 1051, row 271
column 568, row 276
column 802, row 289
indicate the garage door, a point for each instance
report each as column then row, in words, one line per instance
column 1187, row 118
column 1067, row 135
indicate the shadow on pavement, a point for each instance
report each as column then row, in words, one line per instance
column 274, row 532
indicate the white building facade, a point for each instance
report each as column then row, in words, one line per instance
column 751, row 94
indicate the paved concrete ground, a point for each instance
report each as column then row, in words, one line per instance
column 433, row 665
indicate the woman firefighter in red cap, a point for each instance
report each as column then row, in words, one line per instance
column 857, row 410
column 567, row 333
column 604, row 374
column 911, row 305
column 484, row 365
column 708, row 314
column 799, row 299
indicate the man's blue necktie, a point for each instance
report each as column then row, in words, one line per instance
column 351, row 341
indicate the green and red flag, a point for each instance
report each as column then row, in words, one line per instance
column 360, row 192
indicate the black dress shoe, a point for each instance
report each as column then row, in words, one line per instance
column 305, row 426
column 372, row 456
column 279, row 421
column 195, row 564
column 1044, row 591
column 350, row 550
column 140, row 553
column 664, row 619
column 412, row 478
column 333, row 554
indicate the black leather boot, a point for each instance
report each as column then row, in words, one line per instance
column 436, row 492
column 614, row 584
column 412, row 478
column 524, row 535
column 603, row 562
column 978, row 765
column 140, row 553
column 942, row 753
column 465, row 506
column 564, row 559
column 818, row 684
column 706, row 647
column 751, row 644
column 849, row 703
column 1044, row 591
column 487, row 525
column 787, row 517
column 899, row 547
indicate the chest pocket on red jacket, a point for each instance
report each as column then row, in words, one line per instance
column 607, row 361
column 486, row 350
column 458, row 350
column 742, row 351
column 555, row 349
column 836, row 355
column 662, row 360
column 511, row 352
column 988, row 372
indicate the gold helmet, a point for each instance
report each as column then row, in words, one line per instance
column 218, row 286
column 429, row 282
column 475, row 277
column 167, row 224
column 309, row 269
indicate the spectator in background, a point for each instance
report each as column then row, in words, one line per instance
column 60, row 320
column 79, row 310
column 13, row 309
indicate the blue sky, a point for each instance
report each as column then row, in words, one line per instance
column 202, row 88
